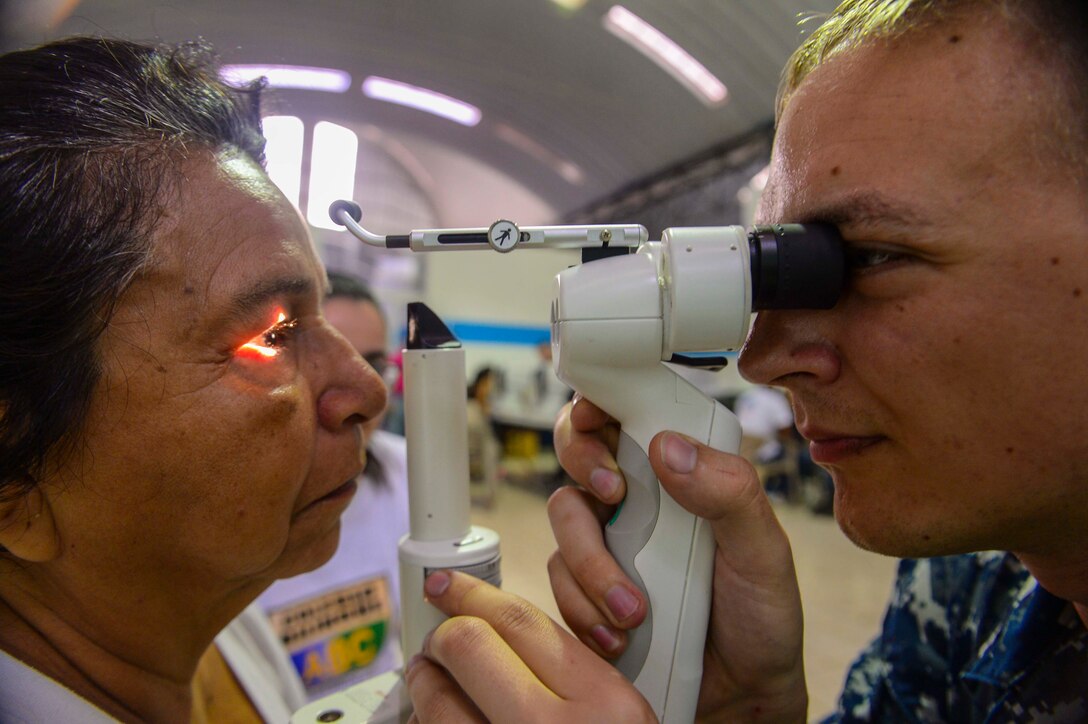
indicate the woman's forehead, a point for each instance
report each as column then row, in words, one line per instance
column 227, row 232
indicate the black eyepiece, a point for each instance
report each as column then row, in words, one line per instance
column 796, row 266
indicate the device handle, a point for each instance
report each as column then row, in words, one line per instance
column 665, row 550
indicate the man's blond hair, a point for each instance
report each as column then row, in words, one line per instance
column 1052, row 29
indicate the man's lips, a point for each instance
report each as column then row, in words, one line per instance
column 828, row 447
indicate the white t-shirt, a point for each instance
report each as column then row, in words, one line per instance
column 341, row 622
column 28, row 696
column 248, row 644
column 762, row 413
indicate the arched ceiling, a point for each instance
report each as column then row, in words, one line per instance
column 570, row 113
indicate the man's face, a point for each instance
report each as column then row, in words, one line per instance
column 361, row 324
column 946, row 392
column 224, row 435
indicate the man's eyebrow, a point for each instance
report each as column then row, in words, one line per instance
column 864, row 208
column 258, row 295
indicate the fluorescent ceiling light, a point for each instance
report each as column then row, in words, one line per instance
column 393, row 91
column 289, row 76
column 283, row 153
column 656, row 46
column 570, row 4
column 332, row 171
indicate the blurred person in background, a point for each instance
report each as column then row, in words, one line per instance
column 766, row 420
column 484, row 448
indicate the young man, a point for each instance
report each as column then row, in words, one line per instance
column 945, row 393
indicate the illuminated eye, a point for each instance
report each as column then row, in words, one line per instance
column 270, row 342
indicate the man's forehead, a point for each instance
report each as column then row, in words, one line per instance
column 898, row 105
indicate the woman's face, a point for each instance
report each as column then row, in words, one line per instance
column 224, row 434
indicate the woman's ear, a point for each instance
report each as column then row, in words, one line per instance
column 27, row 529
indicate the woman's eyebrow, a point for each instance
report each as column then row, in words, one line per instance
column 245, row 302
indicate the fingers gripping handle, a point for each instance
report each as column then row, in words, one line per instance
column 669, row 554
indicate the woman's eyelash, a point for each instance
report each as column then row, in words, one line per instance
column 270, row 342
column 278, row 334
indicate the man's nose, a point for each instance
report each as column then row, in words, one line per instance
column 786, row 347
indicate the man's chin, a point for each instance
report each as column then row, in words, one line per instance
column 896, row 535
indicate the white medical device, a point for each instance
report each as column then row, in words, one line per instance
column 619, row 326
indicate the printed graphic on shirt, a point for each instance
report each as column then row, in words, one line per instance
column 336, row 632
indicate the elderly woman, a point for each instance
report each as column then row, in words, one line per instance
column 179, row 426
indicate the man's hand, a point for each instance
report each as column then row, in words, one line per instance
column 499, row 658
column 752, row 668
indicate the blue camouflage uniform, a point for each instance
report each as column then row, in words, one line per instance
column 971, row 638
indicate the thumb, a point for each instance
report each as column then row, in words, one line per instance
column 724, row 489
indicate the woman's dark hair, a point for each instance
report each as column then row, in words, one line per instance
column 344, row 286
column 93, row 133
column 482, row 374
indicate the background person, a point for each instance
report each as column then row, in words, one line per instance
column 484, row 448
column 766, row 420
column 341, row 622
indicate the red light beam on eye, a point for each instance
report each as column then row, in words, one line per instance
column 255, row 346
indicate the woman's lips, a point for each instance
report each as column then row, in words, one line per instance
column 345, row 491
column 829, row 450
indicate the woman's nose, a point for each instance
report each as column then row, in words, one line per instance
column 784, row 348
column 354, row 392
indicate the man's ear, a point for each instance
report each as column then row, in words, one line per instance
column 27, row 529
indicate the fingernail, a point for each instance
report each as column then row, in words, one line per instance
column 679, row 454
column 604, row 482
column 621, row 602
column 604, row 637
column 436, row 583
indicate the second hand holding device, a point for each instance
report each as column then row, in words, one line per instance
column 619, row 325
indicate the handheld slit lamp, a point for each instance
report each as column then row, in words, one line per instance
column 616, row 324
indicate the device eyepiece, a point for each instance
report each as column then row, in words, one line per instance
column 796, row 266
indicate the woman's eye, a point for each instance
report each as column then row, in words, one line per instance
column 271, row 342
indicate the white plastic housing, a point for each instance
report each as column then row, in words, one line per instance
column 477, row 554
column 613, row 322
column 708, row 289
column 440, row 534
column 435, row 416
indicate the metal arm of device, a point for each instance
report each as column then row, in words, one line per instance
column 502, row 236
column 616, row 323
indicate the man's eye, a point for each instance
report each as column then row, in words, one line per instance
column 862, row 259
column 271, row 342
